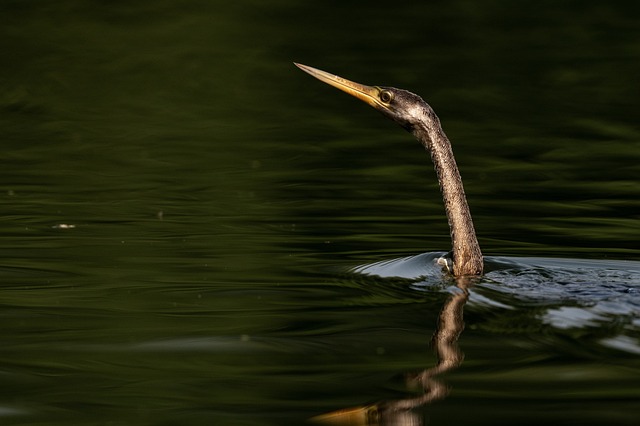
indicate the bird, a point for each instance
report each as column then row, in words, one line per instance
column 417, row 117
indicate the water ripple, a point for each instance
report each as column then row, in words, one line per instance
column 569, row 293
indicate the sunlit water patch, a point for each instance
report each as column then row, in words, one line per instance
column 568, row 293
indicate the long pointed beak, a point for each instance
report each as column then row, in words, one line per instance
column 368, row 94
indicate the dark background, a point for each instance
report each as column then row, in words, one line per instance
column 180, row 205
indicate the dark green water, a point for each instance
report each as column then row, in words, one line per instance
column 191, row 228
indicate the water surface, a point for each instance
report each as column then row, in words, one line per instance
column 193, row 231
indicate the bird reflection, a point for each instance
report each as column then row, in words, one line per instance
column 449, row 356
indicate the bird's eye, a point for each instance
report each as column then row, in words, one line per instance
column 386, row 96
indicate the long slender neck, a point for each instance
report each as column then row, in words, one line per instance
column 467, row 257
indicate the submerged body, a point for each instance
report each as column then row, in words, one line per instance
column 416, row 116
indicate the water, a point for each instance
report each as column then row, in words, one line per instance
column 196, row 232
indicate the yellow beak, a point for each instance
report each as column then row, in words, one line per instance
column 368, row 94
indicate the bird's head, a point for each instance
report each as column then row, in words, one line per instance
column 405, row 108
